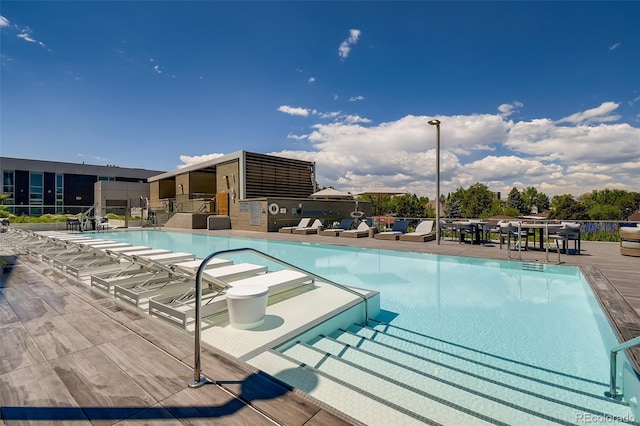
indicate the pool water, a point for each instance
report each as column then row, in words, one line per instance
column 542, row 315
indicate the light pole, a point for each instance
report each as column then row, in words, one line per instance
column 437, row 124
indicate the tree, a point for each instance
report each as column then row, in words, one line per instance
column 532, row 198
column 604, row 212
column 409, row 205
column 478, row 201
column 565, row 207
column 515, row 201
column 453, row 208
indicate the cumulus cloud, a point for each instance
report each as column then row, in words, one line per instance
column 507, row 109
column 599, row 114
column 188, row 160
column 356, row 98
column 303, row 112
column 4, row 22
column 345, row 46
column 311, row 80
column 556, row 157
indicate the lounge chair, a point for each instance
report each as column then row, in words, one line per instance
column 423, row 232
column 345, row 225
column 399, row 228
column 304, row 222
column 361, row 231
column 181, row 310
column 630, row 240
column 312, row 229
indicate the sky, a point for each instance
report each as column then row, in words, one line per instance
column 529, row 94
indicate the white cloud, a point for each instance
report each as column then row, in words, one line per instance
column 352, row 153
column 311, row 80
column 297, row 137
column 4, row 22
column 188, row 160
column 345, row 46
column 507, row 109
column 356, row 119
column 157, row 69
column 614, row 46
column 356, row 98
column 293, row 110
column 26, row 37
column 599, row 114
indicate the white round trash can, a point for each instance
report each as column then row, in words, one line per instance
column 247, row 305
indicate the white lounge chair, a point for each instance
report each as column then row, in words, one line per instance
column 312, row 229
column 181, row 310
column 361, row 231
column 399, row 228
column 304, row 222
column 423, row 232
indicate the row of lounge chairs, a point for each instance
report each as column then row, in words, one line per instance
column 158, row 280
column 422, row 233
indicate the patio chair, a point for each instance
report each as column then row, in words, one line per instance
column 509, row 230
column 570, row 231
column 423, row 232
column 304, row 222
column 361, row 231
column 316, row 226
column 630, row 240
column 345, row 225
column 399, row 228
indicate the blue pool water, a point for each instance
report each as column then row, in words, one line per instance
column 545, row 315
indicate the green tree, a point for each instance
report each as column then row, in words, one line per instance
column 478, row 201
column 515, row 201
column 565, row 207
column 453, row 208
column 409, row 205
column 532, row 198
column 604, row 212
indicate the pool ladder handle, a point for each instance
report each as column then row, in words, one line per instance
column 613, row 392
column 200, row 380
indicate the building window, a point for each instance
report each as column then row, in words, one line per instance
column 59, row 193
column 8, row 188
column 35, row 193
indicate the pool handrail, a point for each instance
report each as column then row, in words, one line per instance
column 198, row 379
column 613, row 373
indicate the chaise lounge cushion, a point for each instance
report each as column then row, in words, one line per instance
column 630, row 240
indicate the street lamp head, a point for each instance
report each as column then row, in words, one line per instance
column 434, row 122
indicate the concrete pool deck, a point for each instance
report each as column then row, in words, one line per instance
column 74, row 355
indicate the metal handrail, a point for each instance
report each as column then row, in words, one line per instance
column 198, row 379
column 613, row 372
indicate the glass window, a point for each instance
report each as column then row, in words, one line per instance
column 35, row 193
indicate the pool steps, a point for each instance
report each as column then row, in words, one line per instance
column 433, row 381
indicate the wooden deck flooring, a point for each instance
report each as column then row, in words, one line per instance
column 70, row 354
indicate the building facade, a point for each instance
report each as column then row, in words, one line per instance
column 37, row 187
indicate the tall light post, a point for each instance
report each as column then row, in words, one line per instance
column 437, row 124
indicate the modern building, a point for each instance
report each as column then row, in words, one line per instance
column 244, row 190
column 36, row 187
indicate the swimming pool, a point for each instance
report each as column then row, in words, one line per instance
column 538, row 315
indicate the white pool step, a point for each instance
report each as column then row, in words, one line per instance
column 485, row 364
column 425, row 378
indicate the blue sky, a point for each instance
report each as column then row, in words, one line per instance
column 542, row 94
